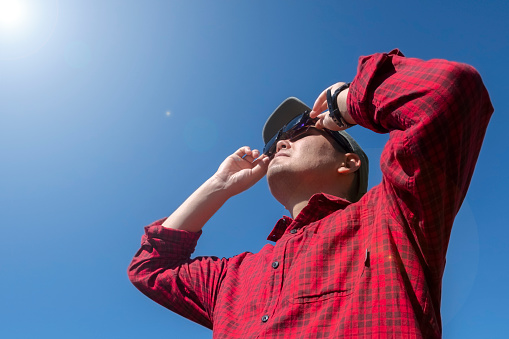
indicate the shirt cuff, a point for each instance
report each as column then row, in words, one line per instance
column 165, row 239
column 360, row 100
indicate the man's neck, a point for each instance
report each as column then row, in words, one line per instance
column 295, row 198
column 295, row 210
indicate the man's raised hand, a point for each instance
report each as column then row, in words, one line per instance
column 241, row 170
column 325, row 121
column 237, row 173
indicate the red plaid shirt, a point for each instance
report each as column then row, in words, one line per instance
column 339, row 270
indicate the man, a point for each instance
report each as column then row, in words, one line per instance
column 346, row 264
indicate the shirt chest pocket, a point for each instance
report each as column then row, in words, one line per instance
column 324, row 270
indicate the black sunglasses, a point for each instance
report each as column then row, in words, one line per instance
column 298, row 126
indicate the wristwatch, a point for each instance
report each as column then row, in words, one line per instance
column 333, row 107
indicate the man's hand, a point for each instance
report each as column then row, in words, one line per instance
column 325, row 121
column 241, row 170
column 236, row 174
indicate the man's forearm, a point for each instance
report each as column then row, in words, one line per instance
column 238, row 172
column 198, row 208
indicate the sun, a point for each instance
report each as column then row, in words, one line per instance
column 13, row 14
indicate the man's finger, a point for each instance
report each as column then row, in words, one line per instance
column 320, row 104
column 261, row 165
column 248, row 158
column 244, row 150
column 319, row 123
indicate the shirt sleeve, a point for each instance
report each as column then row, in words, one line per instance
column 163, row 270
column 437, row 113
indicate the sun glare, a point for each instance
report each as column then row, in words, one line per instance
column 13, row 14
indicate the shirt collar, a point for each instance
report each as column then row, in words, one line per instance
column 319, row 206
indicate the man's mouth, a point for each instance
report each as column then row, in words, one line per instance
column 281, row 154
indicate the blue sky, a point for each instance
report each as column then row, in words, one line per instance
column 113, row 112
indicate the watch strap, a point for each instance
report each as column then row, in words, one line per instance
column 332, row 103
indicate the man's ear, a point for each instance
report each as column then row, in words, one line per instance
column 351, row 163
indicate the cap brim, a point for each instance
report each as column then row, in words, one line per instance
column 285, row 112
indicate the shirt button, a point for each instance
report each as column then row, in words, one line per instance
column 265, row 318
column 275, row 264
column 293, row 231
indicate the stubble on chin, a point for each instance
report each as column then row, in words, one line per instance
column 281, row 181
column 277, row 170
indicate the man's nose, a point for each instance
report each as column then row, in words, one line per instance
column 282, row 144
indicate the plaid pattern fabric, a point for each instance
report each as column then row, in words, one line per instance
column 341, row 270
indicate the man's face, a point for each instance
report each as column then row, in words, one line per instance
column 307, row 159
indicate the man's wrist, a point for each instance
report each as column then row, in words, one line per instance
column 343, row 107
column 336, row 103
column 216, row 186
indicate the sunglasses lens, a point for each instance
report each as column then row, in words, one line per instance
column 270, row 147
column 296, row 123
column 293, row 128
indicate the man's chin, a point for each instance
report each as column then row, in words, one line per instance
column 278, row 174
column 275, row 166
